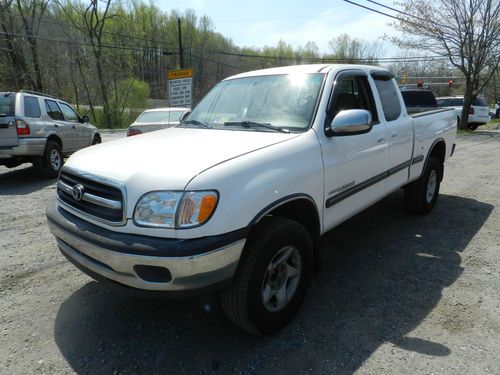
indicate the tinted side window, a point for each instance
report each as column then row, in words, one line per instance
column 31, row 107
column 69, row 113
column 53, row 110
column 389, row 98
column 419, row 98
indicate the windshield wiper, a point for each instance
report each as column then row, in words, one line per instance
column 253, row 124
column 196, row 122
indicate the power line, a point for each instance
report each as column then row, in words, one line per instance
column 76, row 42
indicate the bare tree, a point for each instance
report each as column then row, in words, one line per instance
column 31, row 12
column 467, row 32
column 354, row 50
column 93, row 20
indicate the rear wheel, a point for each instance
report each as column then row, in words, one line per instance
column 472, row 126
column 52, row 160
column 421, row 195
column 273, row 277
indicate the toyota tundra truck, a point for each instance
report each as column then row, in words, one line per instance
column 234, row 199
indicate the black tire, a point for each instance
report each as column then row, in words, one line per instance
column 51, row 162
column 472, row 126
column 421, row 195
column 96, row 140
column 243, row 303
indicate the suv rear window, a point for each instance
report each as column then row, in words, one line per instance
column 31, row 107
column 53, row 110
column 7, row 103
column 480, row 102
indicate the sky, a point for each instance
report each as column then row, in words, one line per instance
column 257, row 23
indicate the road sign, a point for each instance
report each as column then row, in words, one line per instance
column 180, row 84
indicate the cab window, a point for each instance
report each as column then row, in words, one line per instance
column 352, row 92
column 388, row 94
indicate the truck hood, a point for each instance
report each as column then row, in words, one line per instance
column 170, row 158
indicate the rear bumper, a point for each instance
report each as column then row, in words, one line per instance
column 129, row 260
column 26, row 147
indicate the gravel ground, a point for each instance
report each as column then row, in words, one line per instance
column 397, row 294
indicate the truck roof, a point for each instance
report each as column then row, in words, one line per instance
column 308, row 68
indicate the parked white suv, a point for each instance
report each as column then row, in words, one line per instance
column 478, row 113
column 40, row 129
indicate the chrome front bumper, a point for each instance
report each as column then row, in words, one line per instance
column 186, row 273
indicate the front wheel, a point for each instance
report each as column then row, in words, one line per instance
column 272, row 278
column 421, row 195
column 472, row 126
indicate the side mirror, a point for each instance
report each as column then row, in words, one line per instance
column 85, row 119
column 183, row 117
column 350, row 122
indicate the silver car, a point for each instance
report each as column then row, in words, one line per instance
column 40, row 129
column 156, row 119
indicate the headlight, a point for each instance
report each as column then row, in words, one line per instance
column 173, row 209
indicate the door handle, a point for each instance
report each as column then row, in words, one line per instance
column 380, row 140
column 55, row 125
column 394, row 135
column 73, row 127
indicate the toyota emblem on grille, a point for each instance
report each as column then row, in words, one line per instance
column 78, row 190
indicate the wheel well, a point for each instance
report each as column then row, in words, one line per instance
column 439, row 152
column 303, row 211
column 55, row 138
column 96, row 134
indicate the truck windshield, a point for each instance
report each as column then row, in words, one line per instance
column 261, row 103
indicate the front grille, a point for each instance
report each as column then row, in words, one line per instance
column 97, row 199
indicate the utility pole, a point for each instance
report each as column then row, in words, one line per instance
column 180, row 43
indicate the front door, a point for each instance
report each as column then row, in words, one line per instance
column 355, row 165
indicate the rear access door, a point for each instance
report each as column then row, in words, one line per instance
column 8, row 131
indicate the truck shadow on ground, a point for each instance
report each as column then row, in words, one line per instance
column 383, row 272
column 22, row 181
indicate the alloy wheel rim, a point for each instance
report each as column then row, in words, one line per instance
column 281, row 279
column 55, row 159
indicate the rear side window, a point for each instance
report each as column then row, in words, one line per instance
column 53, row 110
column 69, row 113
column 7, row 105
column 31, row 107
column 389, row 98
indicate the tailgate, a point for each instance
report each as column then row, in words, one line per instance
column 8, row 131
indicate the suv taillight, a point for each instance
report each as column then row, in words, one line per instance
column 23, row 127
column 471, row 110
column 132, row 132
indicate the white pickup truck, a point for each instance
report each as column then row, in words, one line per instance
column 235, row 198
